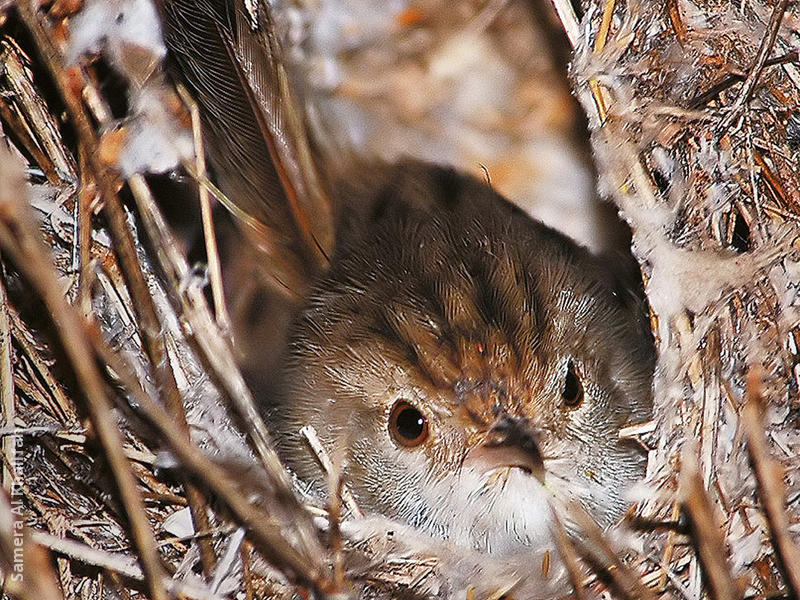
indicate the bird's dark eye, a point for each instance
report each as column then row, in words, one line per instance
column 407, row 425
column 572, row 392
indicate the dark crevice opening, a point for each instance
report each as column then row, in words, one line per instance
column 740, row 239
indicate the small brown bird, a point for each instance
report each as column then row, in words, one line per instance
column 475, row 362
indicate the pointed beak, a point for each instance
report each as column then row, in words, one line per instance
column 509, row 442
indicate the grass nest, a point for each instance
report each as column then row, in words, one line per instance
column 118, row 380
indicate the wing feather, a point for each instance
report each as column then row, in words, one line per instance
column 228, row 56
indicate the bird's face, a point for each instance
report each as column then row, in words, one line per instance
column 474, row 366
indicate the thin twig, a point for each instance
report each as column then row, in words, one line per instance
column 202, row 522
column 769, row 474
column 669, row 547
column 17, row 125
column 6, row 385
column 214, row 351
column 767, row 42
column 86, row 195
column 19, row 238
column 152, row 335
column 212, row 252
column 569, row 556
column 773, row 182
column 122, row 564
column 703, row 98
column 706, row 531
column 605, row 25
column 309, row 570
column 665, row 571
column 635, row 431
column 58, row 162
column 569, row 20
column 125, row 250
column 57, row 403
column 322, row 455
column 678, row 25
column 757, row 231
column 600, row 43
column 598, row 551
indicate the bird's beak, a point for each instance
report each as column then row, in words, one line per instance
column 509, row 442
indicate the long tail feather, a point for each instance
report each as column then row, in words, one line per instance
column 257, row 142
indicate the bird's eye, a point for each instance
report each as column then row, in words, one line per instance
column 407, row 425
column 572, row 392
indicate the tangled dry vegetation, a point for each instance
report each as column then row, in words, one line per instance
column 692, row 112
column 694, row 128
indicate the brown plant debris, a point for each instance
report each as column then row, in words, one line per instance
column 135, row 461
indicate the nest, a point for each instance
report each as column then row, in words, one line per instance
column 110, row 355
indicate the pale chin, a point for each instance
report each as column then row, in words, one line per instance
column 502, row 512
column 505, row 514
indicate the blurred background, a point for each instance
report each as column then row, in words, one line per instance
column 481, row 85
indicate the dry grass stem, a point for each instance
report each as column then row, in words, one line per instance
column 604, row 558
column 570, row 557
column 30, row 119
column 215, row 352
column 209, row 236
column 7, row 391
column 706, row 531
column 770, row 476
column 308, row 569
column 691, row 108
column 125, row 249
column 767, row 43
column 121, row 564
column 569, row 19
column 328, row 469
column 20, row 240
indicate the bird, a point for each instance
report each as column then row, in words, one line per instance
column 476, row 362
column 473, row 364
